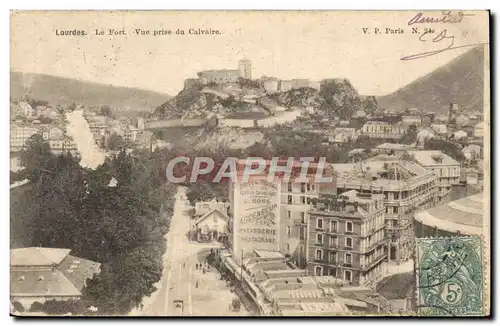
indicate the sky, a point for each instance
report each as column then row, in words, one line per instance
column 299, row 44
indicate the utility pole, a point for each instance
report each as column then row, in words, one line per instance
column 241, row 269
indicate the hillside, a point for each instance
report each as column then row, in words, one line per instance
column 337, row 97
column 459, row 81
column 59, row 90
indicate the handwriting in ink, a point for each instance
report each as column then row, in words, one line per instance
column 442, row 38
column 447, row 18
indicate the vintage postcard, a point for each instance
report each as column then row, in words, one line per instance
column 250, row 163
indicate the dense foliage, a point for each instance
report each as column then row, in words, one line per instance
column 121, row 226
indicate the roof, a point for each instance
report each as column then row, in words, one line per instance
column 393, row 146
column 214, row 211
column 269, row 254
column 427, row 158
column 464, row 215
column 377, row 123
column 37, row 256
column 66, row 278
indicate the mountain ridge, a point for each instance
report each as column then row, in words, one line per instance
column 459, row 81
column 63, row 90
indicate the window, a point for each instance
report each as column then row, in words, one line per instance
column 348, row 258
column 288, row 246
column 319, row 223
column 332, row 257
column 289, row 199
column 396, row 195
column 333, row 272
column 319, row 254
column 348, row 226
column 302, row 233
column 288, row 230
column 302, row 217
column 348, row 276
column 333, row 241
column 319, row 238
column 348, row 242
column 318, row 270
column 333, row 226
column 289, row 214
column 303, row 199
column 302, row 187
column 308, row 187
column 289, row 187
column 395, row 210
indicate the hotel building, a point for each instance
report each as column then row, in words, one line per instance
column 347, row 238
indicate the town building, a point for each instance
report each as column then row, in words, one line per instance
column 423, row 135
column 62, row 145
column 270, row 84
column 211, row 225
column 464, row 216
column 392, row 148
column 245, row 69
column 19, row 134
column 359, row 114
column 346, row 238
column 301, row 83
column 40, row 274
column 285, row 85
column 443, row 166
column 342, row 135
column 412, row 120
column 407, row 187
column 462, row 120
column 383, row 130
column 204, row 207
column 275, row 287
column 15, row 111
column 440, row 129
column 130, row 133
column 26, row 109
column 472, row 152
column 51, row 132
column 479, row 130
column 459, row 134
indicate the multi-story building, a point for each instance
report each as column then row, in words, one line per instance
column 407, row 188
column 63, row 144
column 443, row 166
column 19, row 134
column 412, row 120
column 245, row 68
column 383, row 130
column 479, row 130
column 346, row 237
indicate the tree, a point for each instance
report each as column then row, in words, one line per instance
column 36, row 157
column 105, row 110
column 121, row 227
column 115, row 142
column 411, row 135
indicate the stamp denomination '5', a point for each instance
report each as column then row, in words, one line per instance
column 450, row 276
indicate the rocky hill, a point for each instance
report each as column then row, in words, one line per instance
column 59, row 90
column 336, row 97
column 460, row 81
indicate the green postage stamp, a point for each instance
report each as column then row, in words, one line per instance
column 449, row 276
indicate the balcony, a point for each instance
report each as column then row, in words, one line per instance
column 373, row 262
column 347, row 264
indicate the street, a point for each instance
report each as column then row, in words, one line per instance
column 185, row 290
